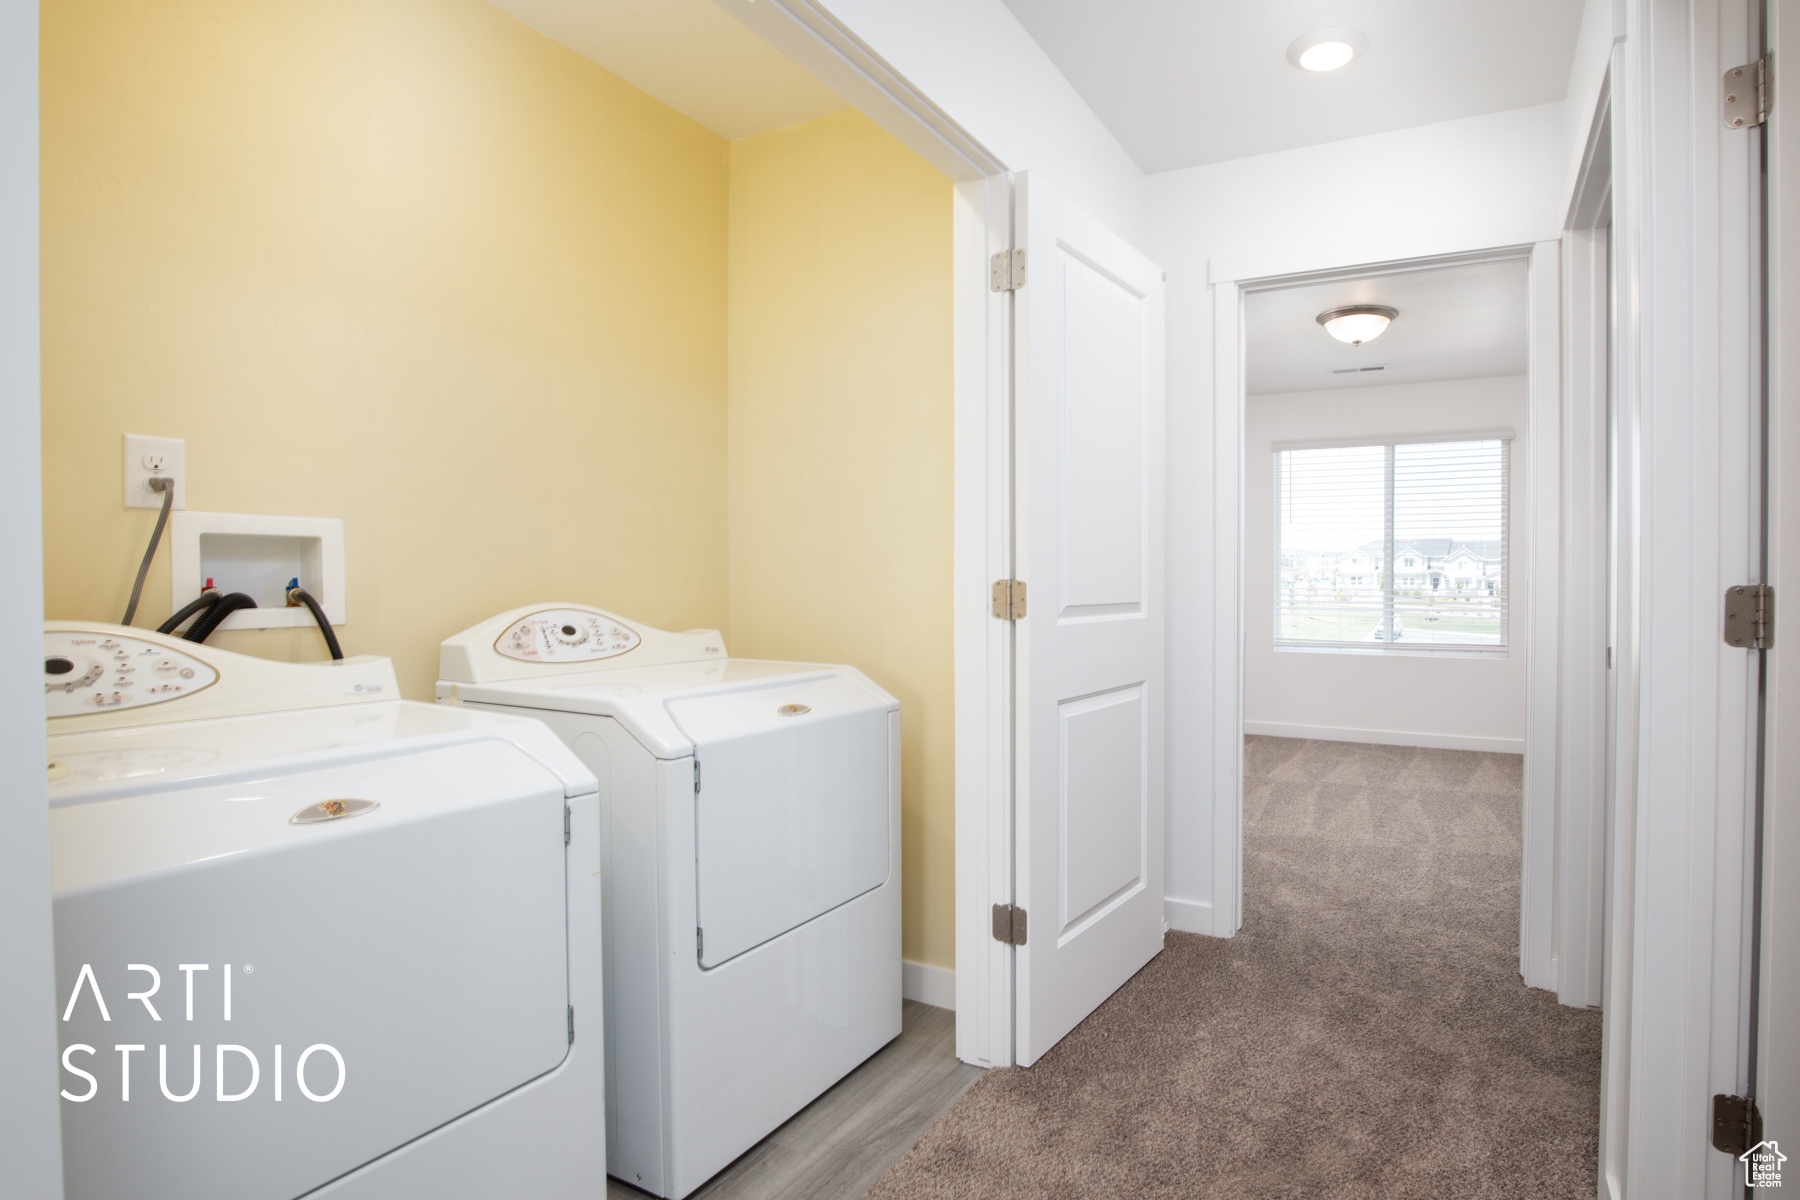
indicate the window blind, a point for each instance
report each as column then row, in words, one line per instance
column 1398, row 545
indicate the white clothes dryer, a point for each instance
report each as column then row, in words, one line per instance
column 314, row 939
column 751, row 858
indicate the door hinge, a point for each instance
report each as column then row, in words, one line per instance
column 1009, row 924
column 571, row 1024
column 1737, row 1124
column 1750, row 616
column 696, row 777
column 565, row 824
column 699, row 942
column 1746, row 94
column 1006, row 270
column 1009, row 599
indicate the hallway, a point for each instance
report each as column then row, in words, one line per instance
column 1365, row 1035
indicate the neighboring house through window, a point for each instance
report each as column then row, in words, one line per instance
column 1346, row 516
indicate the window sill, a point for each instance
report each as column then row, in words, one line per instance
column 1488, row 652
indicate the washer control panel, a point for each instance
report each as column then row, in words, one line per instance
column 565, row 635
column 94, row 672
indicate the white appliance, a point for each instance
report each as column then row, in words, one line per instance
column 348, row 942
column 751, row 842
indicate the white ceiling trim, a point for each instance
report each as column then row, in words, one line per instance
column 816, row 40
column 1505, row 234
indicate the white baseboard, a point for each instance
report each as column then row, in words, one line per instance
column 927, row 984
column 1388, row 737
column 1189, row 916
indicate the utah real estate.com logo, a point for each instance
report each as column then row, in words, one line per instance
column 1762, row 1165
column 241, row 1062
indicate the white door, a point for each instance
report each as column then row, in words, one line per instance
column 1089, row 485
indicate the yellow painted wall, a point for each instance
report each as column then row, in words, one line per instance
column 409, row 263
column 404, row 262
column 840, row 447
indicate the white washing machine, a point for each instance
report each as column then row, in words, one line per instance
column 313, row 939
column 751, row 858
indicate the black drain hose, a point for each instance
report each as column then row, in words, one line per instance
column 229, row 603
column 205, row 600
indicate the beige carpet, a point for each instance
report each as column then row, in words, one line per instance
column 1365, row 1035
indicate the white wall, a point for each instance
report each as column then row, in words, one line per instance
column 30, row 1153
column 1461, row 185
column 1458, row 701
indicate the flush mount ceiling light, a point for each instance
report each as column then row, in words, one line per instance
column 1326, row 49
column 1358, row 323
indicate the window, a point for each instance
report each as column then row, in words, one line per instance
column 1436, row 507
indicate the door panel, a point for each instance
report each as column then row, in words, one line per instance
column 1103, row 829
column 1102, row 440
column 1089, row 488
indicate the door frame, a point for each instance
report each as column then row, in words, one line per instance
column 983, row 508
column 1579, row 908
column 30, row 1112
column 1689, row 358
column 1777, row 1083
column 1233, row 279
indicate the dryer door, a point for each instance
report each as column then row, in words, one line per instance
column 790, row 808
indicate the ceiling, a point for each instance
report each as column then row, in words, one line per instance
column 690, row 54
column 1461, row 322
column 1185, row 82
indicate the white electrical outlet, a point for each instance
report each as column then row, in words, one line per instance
column 151, row 457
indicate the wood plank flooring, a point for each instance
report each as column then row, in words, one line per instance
column 839, row 1145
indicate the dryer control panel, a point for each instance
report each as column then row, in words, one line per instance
column 91, row 672
column 565, row 635
column 564, row 639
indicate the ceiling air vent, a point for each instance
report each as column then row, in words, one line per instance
column 1357, row 370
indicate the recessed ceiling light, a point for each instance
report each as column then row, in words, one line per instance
column 1358, row 323
column 1326, row 49
column 1326, row 56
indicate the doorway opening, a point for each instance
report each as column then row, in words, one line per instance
column 1402, row 575
column 1385, row 491
column 1454, row 457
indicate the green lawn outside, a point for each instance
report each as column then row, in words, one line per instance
column 1354, row 626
